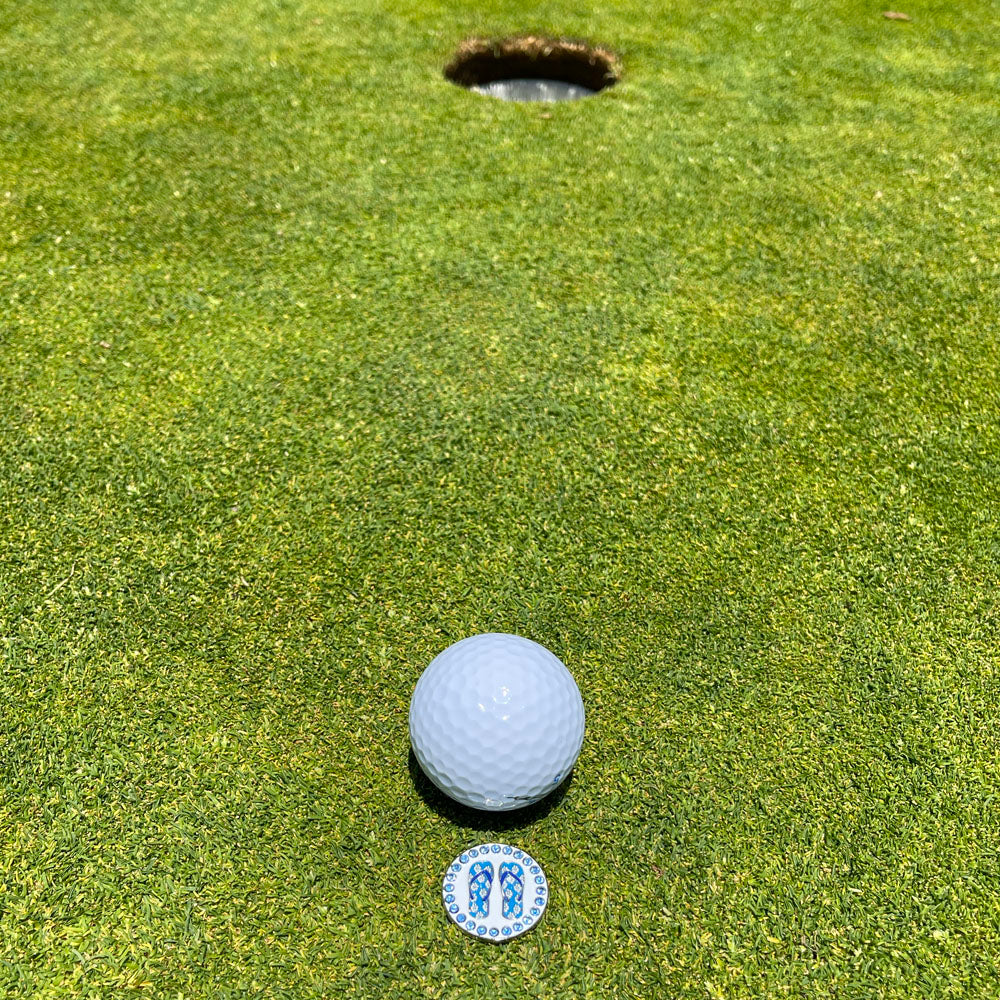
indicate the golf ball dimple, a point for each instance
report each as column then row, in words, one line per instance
column 496, row 721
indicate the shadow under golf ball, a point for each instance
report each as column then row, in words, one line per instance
column 479, row 819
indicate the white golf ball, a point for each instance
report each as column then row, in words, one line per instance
column 496, row 721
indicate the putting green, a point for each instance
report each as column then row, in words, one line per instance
column 312, row 363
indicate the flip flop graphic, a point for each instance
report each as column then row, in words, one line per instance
column 512, row 889
column 480, row 883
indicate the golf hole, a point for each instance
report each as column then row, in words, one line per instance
column 530, row 68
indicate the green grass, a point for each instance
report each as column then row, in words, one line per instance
column 312, row 363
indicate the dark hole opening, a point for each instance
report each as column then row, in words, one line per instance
column 480, row 62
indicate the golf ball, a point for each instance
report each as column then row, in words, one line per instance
column 496, row 721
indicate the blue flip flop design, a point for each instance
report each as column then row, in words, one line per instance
column 512, row 889
column 480, row 884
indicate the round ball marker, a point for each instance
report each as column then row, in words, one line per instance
column 495, row 892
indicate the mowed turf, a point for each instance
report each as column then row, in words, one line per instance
column 312, row 363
